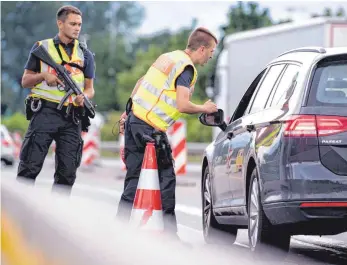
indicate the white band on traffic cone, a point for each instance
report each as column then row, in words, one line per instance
column 147, row 219
column 147, row 208
column 148, row 180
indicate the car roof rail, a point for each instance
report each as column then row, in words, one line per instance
column 306, row 49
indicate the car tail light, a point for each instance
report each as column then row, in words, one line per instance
column 322, row 204
column 327, row 125
column 301, row 126
column 311, row 125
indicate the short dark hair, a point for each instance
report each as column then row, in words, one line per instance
column 200, row 37
column 64, row 11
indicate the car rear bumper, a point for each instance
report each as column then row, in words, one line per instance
column 309, row 219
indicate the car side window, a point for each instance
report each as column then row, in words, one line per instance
column 246, row 99
column 285, row 86
column 265, row 88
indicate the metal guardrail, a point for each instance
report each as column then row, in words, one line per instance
column 193, row 148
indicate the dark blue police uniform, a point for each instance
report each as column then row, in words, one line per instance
column 50, row 124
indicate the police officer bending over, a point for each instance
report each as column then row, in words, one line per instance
column 46, row 122
column 157, row 101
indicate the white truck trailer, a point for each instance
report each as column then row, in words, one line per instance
column 246, row 54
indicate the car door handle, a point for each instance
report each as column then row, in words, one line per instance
column 250, row 127
column 230, row 135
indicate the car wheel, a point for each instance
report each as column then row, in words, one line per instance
column 262, row 234
column 212, row 230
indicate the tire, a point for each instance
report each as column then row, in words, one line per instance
column 214, row 233
column 265, row 240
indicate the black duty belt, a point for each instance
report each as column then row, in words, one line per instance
column 67, row 110
column 52, row 105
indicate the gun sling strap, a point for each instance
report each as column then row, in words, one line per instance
column 63, row 62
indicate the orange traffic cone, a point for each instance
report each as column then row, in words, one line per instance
column 147, row 211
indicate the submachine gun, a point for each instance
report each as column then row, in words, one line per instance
column 88, row 111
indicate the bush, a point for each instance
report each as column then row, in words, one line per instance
column 16, row 122
column 111, row 125
column 196, row 132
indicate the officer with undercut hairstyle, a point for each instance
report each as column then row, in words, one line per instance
column 158, row 100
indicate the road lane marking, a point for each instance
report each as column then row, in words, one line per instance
column 189, row 210
column 241, row 245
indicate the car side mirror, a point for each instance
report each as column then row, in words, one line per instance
column 213, row 119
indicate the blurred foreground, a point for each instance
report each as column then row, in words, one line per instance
column 41, row 227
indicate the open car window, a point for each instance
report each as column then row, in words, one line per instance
column 241, row 108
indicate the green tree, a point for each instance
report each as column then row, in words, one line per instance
column 127, row 79
column 241, row 17
column 109, row 63
column 21, row 27
column 246, row 16
column 107, row 26
column 328, row 12
column 340, row 12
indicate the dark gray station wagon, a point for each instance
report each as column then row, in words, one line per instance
column 279, row 166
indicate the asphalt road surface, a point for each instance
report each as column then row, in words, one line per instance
column 103, row 186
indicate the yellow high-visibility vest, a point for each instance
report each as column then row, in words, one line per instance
column 51, row 93
column 155, row 99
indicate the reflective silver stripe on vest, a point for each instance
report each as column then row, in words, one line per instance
column 45, row 44
column 48, row 95
column 157, row 92
column 172, row 74
column 156, row 110
column 150, row 88
column 80, row 54
column 163, row 116
column 144, row 104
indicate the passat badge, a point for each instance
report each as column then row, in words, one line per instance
column 331, row 141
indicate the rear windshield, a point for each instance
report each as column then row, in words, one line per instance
column 329, row 86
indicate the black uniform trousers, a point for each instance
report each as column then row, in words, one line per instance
column 134, row 150
column 46, row 125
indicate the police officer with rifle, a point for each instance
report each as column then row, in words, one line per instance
column 158, row 100
column 60, row 73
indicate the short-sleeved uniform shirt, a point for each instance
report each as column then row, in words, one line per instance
column 186, row 77
column 33, row 63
